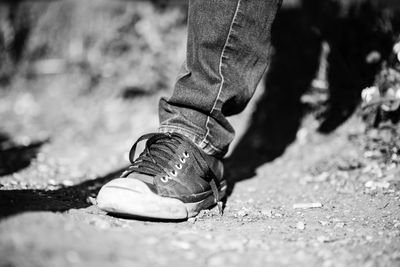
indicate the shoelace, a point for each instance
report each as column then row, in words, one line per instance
column 160, row 153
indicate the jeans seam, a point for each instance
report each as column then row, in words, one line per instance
column 221, row 75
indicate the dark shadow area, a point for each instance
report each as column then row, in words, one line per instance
column 297, row 36
column 134, row 92
column 364, row 29
column 145, row 219
column 74, row 197
column 278, row 113
column 15, row 157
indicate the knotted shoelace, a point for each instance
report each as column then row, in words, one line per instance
column 163, row 156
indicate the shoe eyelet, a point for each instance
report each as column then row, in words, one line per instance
column 178, row 166
column 164, row 179
column 185, row 154
column 174, row 173
column 183, row 160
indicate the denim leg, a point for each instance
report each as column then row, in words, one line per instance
column 227, row 54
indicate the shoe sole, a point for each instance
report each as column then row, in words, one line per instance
column 131, row 197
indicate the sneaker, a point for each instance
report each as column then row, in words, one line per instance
column 171, row 179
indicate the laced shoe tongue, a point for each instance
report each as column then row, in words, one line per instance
column 154, row 160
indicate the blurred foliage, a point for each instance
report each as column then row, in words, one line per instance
column 109, row 39
column 101, row 38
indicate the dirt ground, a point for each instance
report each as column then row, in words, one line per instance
column 298, row 197
column 51, row 222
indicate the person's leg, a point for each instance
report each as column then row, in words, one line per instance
column 227, row 54
column 180, row 172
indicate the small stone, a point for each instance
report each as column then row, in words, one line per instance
column 23, row 185
column 242, row 213
column 372, row 154
column 339, row 225
column 67, row 183
column 307, row 205
column 181, row 244
column 373, row 57
column 300, row 226
column 192, row 220
column 323, row 223
column 267, row 213
column 322, row 177
column 91, row 200
column 323, row 239
column 374, row 185
column 52, row 182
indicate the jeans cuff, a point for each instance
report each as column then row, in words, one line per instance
column 204, row 145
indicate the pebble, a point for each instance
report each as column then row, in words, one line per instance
column 67, row 183
column 369, row 238
column 373, row 57
column 242, row 213
column 323, row 239
column 374, row 185
column 307, row 205
column 192, row 220
column 251, row 189
column 267, row 213
column 323, row 223
column 181, row 244
column 91, row 200
column 51, row 182
column 372, row 154
column 322, row 177
column 300, row 226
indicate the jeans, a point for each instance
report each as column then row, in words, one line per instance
column 227, row 53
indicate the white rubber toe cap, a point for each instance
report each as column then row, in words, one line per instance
column 133, row 197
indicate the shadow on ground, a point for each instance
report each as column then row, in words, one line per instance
column 297, row 36
column 15, row 157
column 74, row 197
